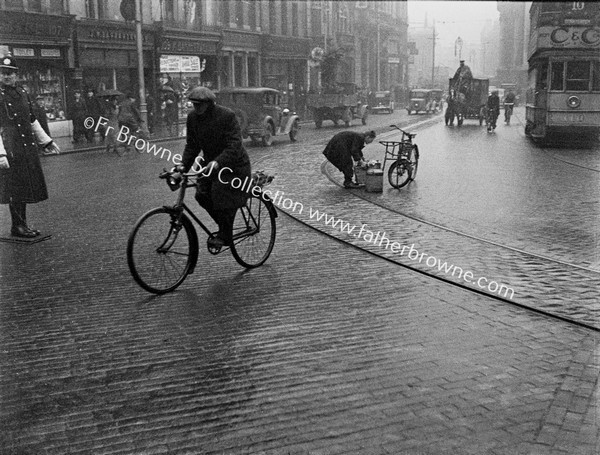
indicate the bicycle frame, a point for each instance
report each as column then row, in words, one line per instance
column 404, row 148
column 180, row 206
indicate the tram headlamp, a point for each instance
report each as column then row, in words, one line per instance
column 573, row 102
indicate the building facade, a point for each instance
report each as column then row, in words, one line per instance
column 68, row 45
column 514, row 36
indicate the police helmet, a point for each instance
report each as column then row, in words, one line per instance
column 8, row 62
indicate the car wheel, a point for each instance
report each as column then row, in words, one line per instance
column 267, row 138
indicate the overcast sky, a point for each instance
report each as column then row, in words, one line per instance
column 453, row 18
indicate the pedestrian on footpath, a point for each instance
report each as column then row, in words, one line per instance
column 129, row 116
column 170, row 110
column 215, row 131
column 22, row 180
column 111, row 113
column 95, row 111
column 79, row 113
column 39, row 111
column 343, row 148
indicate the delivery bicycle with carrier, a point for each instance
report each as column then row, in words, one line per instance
column 405, row 157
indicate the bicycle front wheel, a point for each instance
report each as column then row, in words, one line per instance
column 399, row 173
column 254, row 232
column 414, row 161
column 162, row 250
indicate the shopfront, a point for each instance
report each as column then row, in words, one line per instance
column 42, row 49
column 107, row 56
column 285, row 68
column 239, row 59
column 187, row 60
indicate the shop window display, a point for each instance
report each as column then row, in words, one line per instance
column 47, row 83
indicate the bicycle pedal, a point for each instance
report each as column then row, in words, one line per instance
column 212, row 246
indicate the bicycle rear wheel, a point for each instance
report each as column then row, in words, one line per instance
column 162, row 250
column 399, row 173
column 254, row 232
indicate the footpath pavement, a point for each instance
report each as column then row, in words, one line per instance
column 325, row 350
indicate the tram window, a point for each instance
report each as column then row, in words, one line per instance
column 557, row 81
column 542, row 77
column 578, row 76
column 596, row 76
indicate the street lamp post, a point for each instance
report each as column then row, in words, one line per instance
column 458, row 44
column 140, row 56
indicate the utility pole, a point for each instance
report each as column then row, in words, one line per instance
column 433, row 58
column 140, row 55
column 378, row 62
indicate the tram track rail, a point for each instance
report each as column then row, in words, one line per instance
column 419, row 125
column 446, row 280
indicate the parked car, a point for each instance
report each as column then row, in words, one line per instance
column 260, row 113
column 419, row 101
column 383, row 102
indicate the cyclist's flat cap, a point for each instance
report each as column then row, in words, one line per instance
column 200, row 94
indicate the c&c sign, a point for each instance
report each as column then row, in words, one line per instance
column 569, row 37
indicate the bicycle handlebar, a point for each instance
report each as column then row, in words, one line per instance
column 406, row 133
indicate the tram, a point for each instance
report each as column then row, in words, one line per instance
column 563, row 94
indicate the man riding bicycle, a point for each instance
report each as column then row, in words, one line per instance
column 214, row 131
column 493, row 110
column 509, row 102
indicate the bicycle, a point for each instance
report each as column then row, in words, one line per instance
column 491, row 118
column 405, row 155
column 162, row 248
column 508, row 110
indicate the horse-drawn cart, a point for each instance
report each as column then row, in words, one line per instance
column 469, row 102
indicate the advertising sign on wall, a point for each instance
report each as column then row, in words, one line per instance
column 179, row 64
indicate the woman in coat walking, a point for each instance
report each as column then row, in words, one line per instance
column 21, row 177
column 345, row 146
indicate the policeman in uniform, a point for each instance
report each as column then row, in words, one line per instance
column 21, row 177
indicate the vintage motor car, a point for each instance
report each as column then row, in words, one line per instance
column 260, row 113
column 383, row 102
column 419, row 101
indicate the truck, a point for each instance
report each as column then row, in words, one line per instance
column 343, row 105
column 336, row 100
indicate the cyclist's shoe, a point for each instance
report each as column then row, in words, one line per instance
column 351, row 185
column 217, row 242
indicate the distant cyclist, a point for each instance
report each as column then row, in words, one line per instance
column 509, row 102
column 493, row 110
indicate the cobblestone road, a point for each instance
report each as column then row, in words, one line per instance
column 324, row 350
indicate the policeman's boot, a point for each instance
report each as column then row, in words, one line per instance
column 19, row 228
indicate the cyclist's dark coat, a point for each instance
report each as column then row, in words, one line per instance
column 24, row 180
column 343, row 147
column 218, row 134
column 493, row 103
